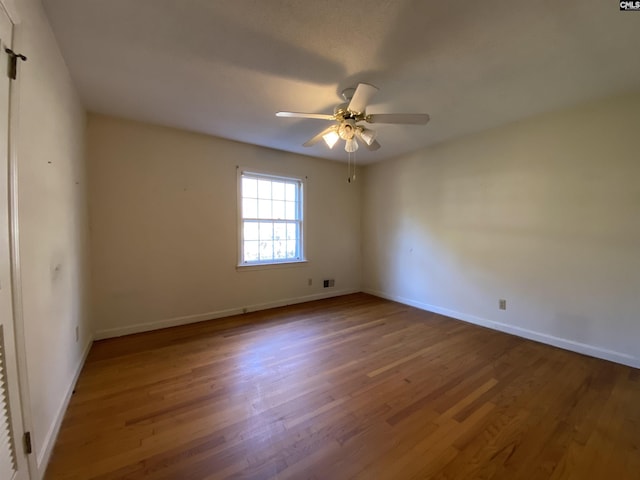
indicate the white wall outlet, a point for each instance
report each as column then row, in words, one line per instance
column 502, row 304
column 310, row 282
column 77, row 333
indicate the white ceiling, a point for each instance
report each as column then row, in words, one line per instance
column 225, row 67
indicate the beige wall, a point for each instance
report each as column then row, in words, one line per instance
column 164, row 228
column 53, row 225
column 544, row 213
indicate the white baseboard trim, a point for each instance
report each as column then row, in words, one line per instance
column 201, row 317
column 564, row 343
column 49, row 440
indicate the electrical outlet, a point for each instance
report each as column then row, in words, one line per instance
column 77, row 333
column 310, row 282
column 502, row 304
column 329, row 283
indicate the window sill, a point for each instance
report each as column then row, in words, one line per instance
column 269, row 266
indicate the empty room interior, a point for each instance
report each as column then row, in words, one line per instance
column 320, row 240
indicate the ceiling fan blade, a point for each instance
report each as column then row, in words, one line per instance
column 318, row 137
column 399, row 118
column 361, row 97
column 318, row 116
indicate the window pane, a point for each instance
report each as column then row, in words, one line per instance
column 264, row 189
column 278, row 209
column 251, row 231
column 291, row 249
column 251, row 251
column 279, row 249
column 266, row 231
column 290, row 211
column 250, row 187
column 292, row 231
column 249, row 208
column 279, row 231
column 264, row 209
column 278, row 190
column 266, row 250
column 290, row 192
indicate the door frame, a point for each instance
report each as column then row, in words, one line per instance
column 11, row 9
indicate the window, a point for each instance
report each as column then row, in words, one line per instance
column 270, row 219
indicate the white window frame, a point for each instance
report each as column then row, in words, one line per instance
column 301, row 188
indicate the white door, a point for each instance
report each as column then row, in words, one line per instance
column 13, row 462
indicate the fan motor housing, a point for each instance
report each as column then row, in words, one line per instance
column 342, row 112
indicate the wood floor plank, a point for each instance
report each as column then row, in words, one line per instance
column 349, row 387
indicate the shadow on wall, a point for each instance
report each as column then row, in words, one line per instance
column 530, row 213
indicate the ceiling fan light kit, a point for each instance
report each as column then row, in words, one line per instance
column 350, row 145
column 366, row 135
column 331, row 138
column 347, row 116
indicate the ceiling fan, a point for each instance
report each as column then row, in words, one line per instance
column 348, row 115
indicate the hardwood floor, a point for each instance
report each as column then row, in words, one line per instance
column 350, row 387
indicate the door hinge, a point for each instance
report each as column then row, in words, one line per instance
column 28, row 448
column 13, row 62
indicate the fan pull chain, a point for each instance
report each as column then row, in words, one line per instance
column 351, row 177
